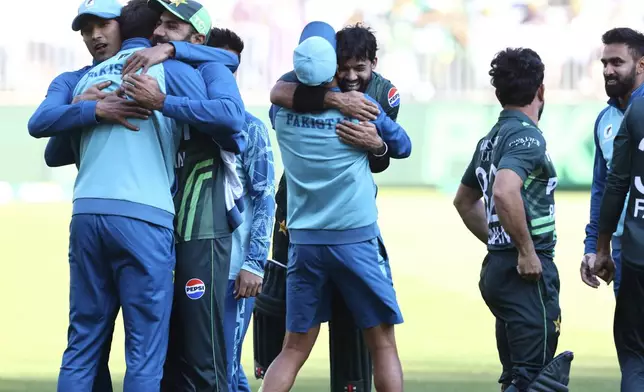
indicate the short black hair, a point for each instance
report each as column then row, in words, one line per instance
column 517, row 74
column 633, row 39
column 226, row 39
column 356, row 41
column 137, row 20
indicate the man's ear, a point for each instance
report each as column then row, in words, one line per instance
column 541, row 92
column 640, row 66
column 374, row 63
column 198, row 39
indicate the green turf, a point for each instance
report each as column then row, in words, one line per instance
column 447, row 341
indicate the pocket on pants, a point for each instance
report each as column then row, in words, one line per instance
column 549, row 286
column 483, row 274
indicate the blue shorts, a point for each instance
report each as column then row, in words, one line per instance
column 359, row 271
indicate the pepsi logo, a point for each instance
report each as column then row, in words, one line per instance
column 393, row 97
column 195, row 288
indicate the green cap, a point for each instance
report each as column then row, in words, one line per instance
column 189, row 11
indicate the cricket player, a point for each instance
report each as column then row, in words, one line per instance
column 332, row 221
column 208, row 204
column 98, row 23
column 623, row 75
column 350, row 363
column 139, row 21
column 513, row 173
column 251, row 240
column 625, row 176
column 121, row 239
column 222, row 105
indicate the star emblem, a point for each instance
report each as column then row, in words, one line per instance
column 283, row 227
column 557, row 324
column 178, row 2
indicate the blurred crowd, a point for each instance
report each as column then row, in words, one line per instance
column 431, row 49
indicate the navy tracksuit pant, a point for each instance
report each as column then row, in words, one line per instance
column 117, row 262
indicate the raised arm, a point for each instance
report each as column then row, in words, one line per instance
column 57, row 114
column 192, row 54
column 186, row 100
column 397, row 142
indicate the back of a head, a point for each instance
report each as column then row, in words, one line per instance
column 633, row 39
column 314, row 59
column 226, row 39
column 516, row 74
column 138, row 20
column 356, row 41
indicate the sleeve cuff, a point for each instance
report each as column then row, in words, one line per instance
column 515, row 166
column 590, row 247
column 88, row 113
column 180, row 50
column 170, row 104
column 253, row 270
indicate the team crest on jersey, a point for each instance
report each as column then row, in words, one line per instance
column 608, row 131
column 195, row 288
column 393, row 97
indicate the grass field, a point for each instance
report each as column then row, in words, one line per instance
column 447, row 341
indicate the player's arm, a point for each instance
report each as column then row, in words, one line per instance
column 186, row 52
column 617, row 185
column 600, row 173
column 259, row 167
column 57, row 114
column 289, row 93
column 522, row 154
column 59, row 151
column 187, row 102
column 469, row 203
column 396, row 140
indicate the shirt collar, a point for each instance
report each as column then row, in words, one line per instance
column 511, row 113
column 130, row 44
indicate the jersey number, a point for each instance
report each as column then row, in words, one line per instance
column 485, row 180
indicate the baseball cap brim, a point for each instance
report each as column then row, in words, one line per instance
column 77, row 23
column 160, row 6
column 198, row 14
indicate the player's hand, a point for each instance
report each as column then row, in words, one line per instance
column 355, row 104
column 145, row 90
column 363, row 135
column 145, row 58
column 587, row 274
column 604, row 267
column 247, row 285
column 93, row 93
column 529, row 267
column 117, row 110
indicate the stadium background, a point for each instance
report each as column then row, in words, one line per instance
column 437, row 53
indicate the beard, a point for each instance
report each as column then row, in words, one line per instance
column 543, row 104
column 621, row 87
column 156, row 40
column 159, row 40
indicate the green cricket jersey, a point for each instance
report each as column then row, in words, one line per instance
column 385, row 93
column 200, row 208
column 517, row 144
